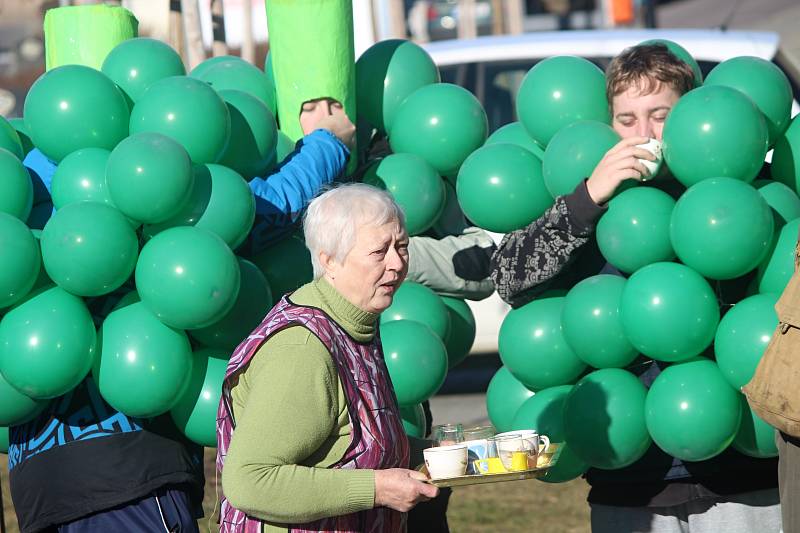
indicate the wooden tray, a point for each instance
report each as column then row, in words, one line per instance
column 479, row 479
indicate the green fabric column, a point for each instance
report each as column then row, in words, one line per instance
column 311, row 47
column 84, row 35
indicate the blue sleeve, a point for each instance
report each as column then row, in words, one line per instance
column 41, row 170
column 281, row 197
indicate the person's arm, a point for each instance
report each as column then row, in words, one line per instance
column 527, row 259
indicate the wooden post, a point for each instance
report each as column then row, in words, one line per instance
column 195, row 53
column 514, row 16
column 467, row 21
column 219, row 46
column 498, row 17
column 248, row 45
column 397, row 18
column 176, row 40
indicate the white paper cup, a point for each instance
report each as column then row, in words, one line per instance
column 446, row 461
column 654, row 147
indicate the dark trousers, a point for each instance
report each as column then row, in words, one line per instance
column 789, row 481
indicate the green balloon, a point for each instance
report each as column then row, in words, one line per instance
column 172, row 107
column 416, row 359
column 204, row 66
column 742, row 337
column 592, row 325
column 783, row 200
column 89, row 248
column 188, row 277
column 15, row 407
column 574, row 152
column 129, row 298
column 442, row 123
column 252, row 304
column 73, row 107
column 755, row 437
column 386, row 74
column 559, row 91
column 3, row 440
column 240, row 76
column 500, row 187
column 195, row 414
column 414, row 301
column 777, row 268
column 681, row 53
column 669, row 312
column 135, row 64
column 414, row 422
column 21, row 262
column 544, row 413
column 16, row 187
column 284, row 147
column 22, row 131
column 634, row 232
column 81, row 176
column 764, row 83
column 604, row 419
column 461, row 334
column 10, row 139
column 286, row 265
column 692, row 412
column 533, row 347
column 514, row 133
column 504, row 396
column 786, row 157
column 713, row 132
column 254, row 135
column 144, row 365
column 220, row 202
column 414, row 185
column 721, row 227
column 47, row 344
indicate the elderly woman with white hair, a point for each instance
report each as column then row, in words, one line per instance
column 309, row 431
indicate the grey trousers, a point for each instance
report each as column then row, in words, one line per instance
column 749, row 512
column 789, row 481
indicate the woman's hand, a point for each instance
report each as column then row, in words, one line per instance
column 401, row 489
column 619, row 164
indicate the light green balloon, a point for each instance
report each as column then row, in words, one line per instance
column 47, row 344
column 204, row 66
column 515, row 133
column 15, row 407
column 283, row 148
column 81, row 176
column 144, row 365
column 10, row 139
column 461, row 334
column 414, row 301
column 195, row 414
column 781, row 198
column 24, row 137
column 134, row 64
column 16, row 187
column 254, row 135
column 786, row 157
column 681, row 53
column 414, row 422
column 755, row 437
column 504, row 396
column 415, row 358
column 777, row 268
column 240, row 76
column 21, row 260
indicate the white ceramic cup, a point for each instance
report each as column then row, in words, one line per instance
column 654, row 147
column 446, row 461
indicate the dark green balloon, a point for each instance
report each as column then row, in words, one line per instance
column 742, row 337
column 722, row 228
column 515, row 133
column 442, row 123
column 22, row 131
column 415, row 186
column 782, row 199
column 504, row 396
column 634, row 232
column 766, row 85
column 16, row 187
column 252, row 304
column 15, row 407
column 47, row 344
column 220, row 202
column 712, row 132
column 286, row 265
column 533, row 347
column 254, row 135
column 786, row 157
column 591, row 322
column 89, row 248
column 10, row 139
column 544, row 413
column 204, row 66
column 21, row 262
column 574, row 152
column 135, row 64
column 195, row 414
column 669, row 312
column 559, row 91
column 414, row 420
column 81, row 176
column 500, row 187
column 692, row 412
column 3, row 440
column 240, row 76
column 284, row 147
column 604, row 419
column 681, row 53
column 144, row 365
column 755, row 437
column 777, row 268
column 129, row 298
column 73, row 107
column 461, row 334
column 414, row 301
column 188, row 277
column 386, row 74
column 187, row 110
column 416, row 359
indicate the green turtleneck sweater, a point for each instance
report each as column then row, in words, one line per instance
column 292, row 424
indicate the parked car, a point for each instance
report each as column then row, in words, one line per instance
column 492, row 68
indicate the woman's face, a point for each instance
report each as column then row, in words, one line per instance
column 374, row 269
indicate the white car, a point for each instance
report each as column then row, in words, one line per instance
column 492, row 68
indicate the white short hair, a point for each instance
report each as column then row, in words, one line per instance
column 333, row 218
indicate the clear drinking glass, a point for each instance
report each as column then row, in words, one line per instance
column 446, row 434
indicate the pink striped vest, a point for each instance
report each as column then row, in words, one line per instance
column 377, row 438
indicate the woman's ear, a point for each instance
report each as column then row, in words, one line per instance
column 329, row 264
